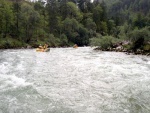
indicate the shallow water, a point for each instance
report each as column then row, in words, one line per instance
column 67, row 80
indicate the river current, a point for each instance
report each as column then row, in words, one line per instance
column 68, row 80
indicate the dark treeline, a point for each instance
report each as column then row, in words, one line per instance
column 67, row 22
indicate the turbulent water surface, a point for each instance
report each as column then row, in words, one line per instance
column 67, row 80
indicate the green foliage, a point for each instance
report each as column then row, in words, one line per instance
column 104, row 28
column 70, row 25
column 106, row 42
column 52, row 41
column 139, row 38
column 110, row 26
column 140, row 33
column 140, row 21
column 70, row 28
column 103, row 42
column 6, row 17
column 95, row 42
column 91, row 27
column 75, row 32
column 97, row 16
column 83, row 38
column 10, row 43
column 30, row 19
column 127, row 46
column 64, row 40
column 146, row 47
column 121, row 32
column 73, row 11
column 65, row 22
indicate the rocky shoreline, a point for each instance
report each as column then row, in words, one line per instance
column 124, row 47
column 128, row 52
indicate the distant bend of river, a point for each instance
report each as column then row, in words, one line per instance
column 68, row 80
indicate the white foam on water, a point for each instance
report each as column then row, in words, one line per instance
column 12, row 81
column 4, row 67
column 81, row 79
column 18, row 81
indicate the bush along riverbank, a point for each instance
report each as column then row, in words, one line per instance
column 126, row 47
column 12, row 43
column 138, row 42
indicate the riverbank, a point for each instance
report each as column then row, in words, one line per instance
column 126, row 51
column 118, row 47
column 128, row 48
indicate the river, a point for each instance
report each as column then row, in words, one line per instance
column 68, row 80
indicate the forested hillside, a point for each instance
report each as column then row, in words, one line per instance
column 66, row 22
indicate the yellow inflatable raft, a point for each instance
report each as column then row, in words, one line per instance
column 42, row 50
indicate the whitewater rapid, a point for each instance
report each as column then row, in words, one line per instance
column 68, row 80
